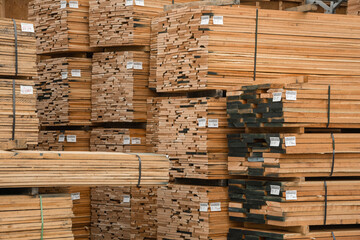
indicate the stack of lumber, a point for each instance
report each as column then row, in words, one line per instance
column 44, row 169
column 118, row 140
column 194, row 53
column 193, row 132
column 61, row 26
column 295, row 203
column 21, row 217
column 123, row 213
column 298, row 105
column 294, row 155
column 193, row 212
column 64, row 91
column 64, row 140
column 120, row 86
column 353, row 7
column 26, row 47
column 81, row 208
column 26, row 121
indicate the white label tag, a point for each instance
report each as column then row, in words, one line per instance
column 290, row 141
column 205, row 20
column 74, row 4
column 61, row 138
column 201, row 122
column 76, row 72
column 277, row 96
column 126, row 140
column 129, row 65
column 75, row 196
column 218, row 20
column 64, row 75
column 63, row 4
column 140, row 2
column 129, row 2
column 291, row 195
column 71, row 138
column 291, row 95
column 215, row 207
column 126, row 199
column 274, row 142
column 136, row 141
column 204, row 207
column 138, row 65
column 275, row 190
column 28, row 90
column 27, row 27
column 213, row 123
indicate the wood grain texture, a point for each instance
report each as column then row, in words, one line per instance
column 62, row 140
column 353, row 7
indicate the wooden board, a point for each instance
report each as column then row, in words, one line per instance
column 180, row 216
column 219, row 56
column 81, row 208
column 64, row 91
column 118, row 140
column 21, row 217
column 60, row 29
column 353, row 7
column 120, row 88
column 124, row 213
column 44, row 169
column 64, row 140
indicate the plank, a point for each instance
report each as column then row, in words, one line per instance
column 353, row 7
column 64, row 140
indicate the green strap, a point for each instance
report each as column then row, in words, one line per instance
column 42, row 218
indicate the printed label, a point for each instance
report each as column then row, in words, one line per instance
column 275, row 190
column 28, row 90
column 291, row 95
column 136, row 141
column 76, row 72
column 63, row 4
column 204, row 207
column 129, row 2
column 274, row 142
column 75, row 196
column 126, row 199
column 205, row 20
column 140, row 2
column 201, row 122
column 129, row 65
column 138, row 65
column 277, row 96
column 126, row 140
column 64, row 75
column 61, row 138
column 215, row 207
column 27, row 27
column 73, row 4
column 213, row 123
column 71, row 138
column 291, row 195
column 290, row 141
column 218, row 20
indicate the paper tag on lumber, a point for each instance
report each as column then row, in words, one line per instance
column 274, row 142
column 218, row 20
column 126, row 140
column 75, row 196
column 76, row 72
column 277, row 96
column 275, row 190
column 136, row 141
column 71, row 138
column 213, row 123
column 138, row 65
column 291, row 195
column 205, row 20
column 63, row 4
column 61, row 138
column 201, row 122
column 74, row 4
column 64, row 75
column 126, row 199
column 291, row 95
column 204, row 207
column 290, row 141
column 140, row 2
column 215, row 207
column 129, row 3
column 27, row 90
column 27, row 27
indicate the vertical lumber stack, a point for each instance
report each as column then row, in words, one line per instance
column 353, row 7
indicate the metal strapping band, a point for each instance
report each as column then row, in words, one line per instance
column 333, row 157
column 256, row 42
column 13, row 82
column 333, row 235
column 139, row 181
column 328, row 112
column 325, row 210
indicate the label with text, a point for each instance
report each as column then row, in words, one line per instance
column 27, row 90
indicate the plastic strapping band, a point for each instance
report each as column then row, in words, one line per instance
column 42, row 218
column 13, row 83
column 333, row 157
column 139, row 181
column 333, row 235
column 325, row 210
column 256, row 41
column 328, row 113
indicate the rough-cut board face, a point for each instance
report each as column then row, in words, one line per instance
column 353, row 7
column 76, row 140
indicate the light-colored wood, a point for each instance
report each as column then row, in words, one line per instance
column 303, row 8
column 59, row 140
column 353, row 7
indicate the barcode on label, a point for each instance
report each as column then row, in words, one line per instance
column 138, row 65
column 76, row 72
column 75, row 196
column 291, row 95
column 204, row 207
column 205, row 20
column 136, row 141
column 61, row 138
column 140, row 2
column 64, row 75
column 291, row 195
column 218, row 20
column 126, row 199
column 27, row 27
column 201, row 122
column 73, row 4
column 71, row 138
column 126, row 140
column 213, row 123
column 63, row 4
column 129, row 65
column 129, row 2
column 277, row 96
column 215, row 207
column 27, row 90
column 290, row 141
column 274, row 142
column 275, row 190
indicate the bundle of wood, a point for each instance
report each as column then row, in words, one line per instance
column 42, row 169
column 21, row 217
column 298, row 105
column 64, row 91
column 25, row 128
column 295, row 203
column 219, row 47
column 81, row 208
column 61, row 26
column 120, row 86
column 193, row 131
column 26, row 48
column 193, row 212
column 124, row 213
column 64, row 140
column 118, row 140
column 294, row 155
column 353, row 7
